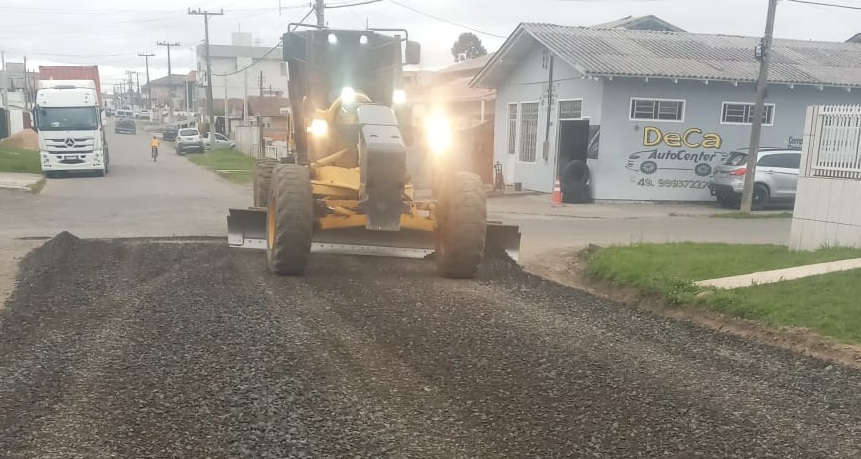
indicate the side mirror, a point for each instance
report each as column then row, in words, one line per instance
column 413, row 53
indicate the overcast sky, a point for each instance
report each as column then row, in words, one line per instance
column 111, row 34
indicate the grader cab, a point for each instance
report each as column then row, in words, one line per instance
column 344, row 187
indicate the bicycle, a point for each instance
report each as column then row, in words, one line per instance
column 154, row 153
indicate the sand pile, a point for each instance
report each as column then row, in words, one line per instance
column 26, row 139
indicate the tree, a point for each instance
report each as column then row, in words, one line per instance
column 469, row 45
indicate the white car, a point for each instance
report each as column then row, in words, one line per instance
column 188, row 139
column 776, row 177
column 221, row 143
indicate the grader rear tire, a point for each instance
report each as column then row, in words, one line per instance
column 462, row 226
column 262, row 179
column 290, row 220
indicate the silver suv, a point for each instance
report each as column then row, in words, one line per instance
column 776, row 177
column 188, row 140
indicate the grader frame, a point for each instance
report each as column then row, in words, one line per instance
column 345, row 187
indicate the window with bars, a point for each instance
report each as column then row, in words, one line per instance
column 570, row 109
column 528, row 131
column 742, row 113
column 657, row 110
column 512, row 129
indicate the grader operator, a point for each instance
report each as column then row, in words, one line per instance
column 344, row 187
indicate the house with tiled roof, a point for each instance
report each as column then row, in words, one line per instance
column 649, row 112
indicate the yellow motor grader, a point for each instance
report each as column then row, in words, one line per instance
column 344, row 185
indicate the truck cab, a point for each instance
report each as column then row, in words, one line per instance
column 68, row 119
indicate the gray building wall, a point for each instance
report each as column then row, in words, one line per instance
column 616, row 174
column 526, row 84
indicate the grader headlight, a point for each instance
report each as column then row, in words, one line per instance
column 348, row 95
column 439, row 133
column 399, row 97
column 319, row 128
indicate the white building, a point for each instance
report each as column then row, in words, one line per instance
column 267, row 75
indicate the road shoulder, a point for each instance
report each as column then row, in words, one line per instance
column 568, row 268
column 11, row 253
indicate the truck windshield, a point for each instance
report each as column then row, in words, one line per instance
column 68, row 118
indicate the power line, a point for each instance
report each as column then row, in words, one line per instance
column 348, row 5
column 832, row 5
column 446, row 20
column 267, row 53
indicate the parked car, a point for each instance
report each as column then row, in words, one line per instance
column 169, row 132
column 221, row 143
column 776, row 177
column 188, row 140
column 125, row 126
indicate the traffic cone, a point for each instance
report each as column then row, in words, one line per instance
column 557, row 193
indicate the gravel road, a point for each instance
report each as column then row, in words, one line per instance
column 186, row 349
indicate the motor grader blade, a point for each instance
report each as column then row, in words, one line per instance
column 246, row 228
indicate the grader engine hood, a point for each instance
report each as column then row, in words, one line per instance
column 383, row 166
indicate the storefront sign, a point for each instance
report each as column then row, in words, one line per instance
column 678, row 160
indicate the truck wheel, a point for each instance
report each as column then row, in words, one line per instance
column 262, row 178
column 461, row 226
column 290, row 219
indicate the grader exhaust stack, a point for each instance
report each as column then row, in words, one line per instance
column 345, row 187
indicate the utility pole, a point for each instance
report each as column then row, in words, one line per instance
column 261, row 83
column 138, row 81
column 763, row 54
column 209, row 107
column 130, row 88
column 319, row 8
column 169, row 80
column 3, row 96
column 148, row 87
column 26, row 87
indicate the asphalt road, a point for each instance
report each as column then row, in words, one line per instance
column 137, row 198
column 150, row 349
column 118, row 348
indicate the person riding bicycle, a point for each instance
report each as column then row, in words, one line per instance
column 154, row 144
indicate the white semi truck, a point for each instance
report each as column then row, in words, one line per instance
column 68, row 119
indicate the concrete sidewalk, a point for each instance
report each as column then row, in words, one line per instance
column 777, row 275
column 18, row 181
column 534, row 205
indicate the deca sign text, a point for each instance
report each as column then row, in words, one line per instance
column 691, row 138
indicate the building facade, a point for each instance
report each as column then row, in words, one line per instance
column 264, row 74
column 651, row 113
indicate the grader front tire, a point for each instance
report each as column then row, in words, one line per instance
column 462, row 226
column 262, row 180
column 290, row 220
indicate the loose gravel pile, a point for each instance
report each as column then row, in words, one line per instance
column 155, row 349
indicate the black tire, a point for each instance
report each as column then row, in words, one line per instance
column 576, row 193
column 262, row 179
column 461, row 226
column 761, row 196
column 290, row 220
column 576, row 172
column 723, row 200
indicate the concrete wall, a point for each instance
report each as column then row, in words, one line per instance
column 16, row 121
column 827, row 212
column 827, row 209
column 616, row 173
column 526, row 84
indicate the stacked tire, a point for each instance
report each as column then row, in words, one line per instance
column 575, row 183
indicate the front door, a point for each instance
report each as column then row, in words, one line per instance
column 573, row 143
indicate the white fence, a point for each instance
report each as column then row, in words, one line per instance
column 248, row 141
column 827, row 209
column 833, row 142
